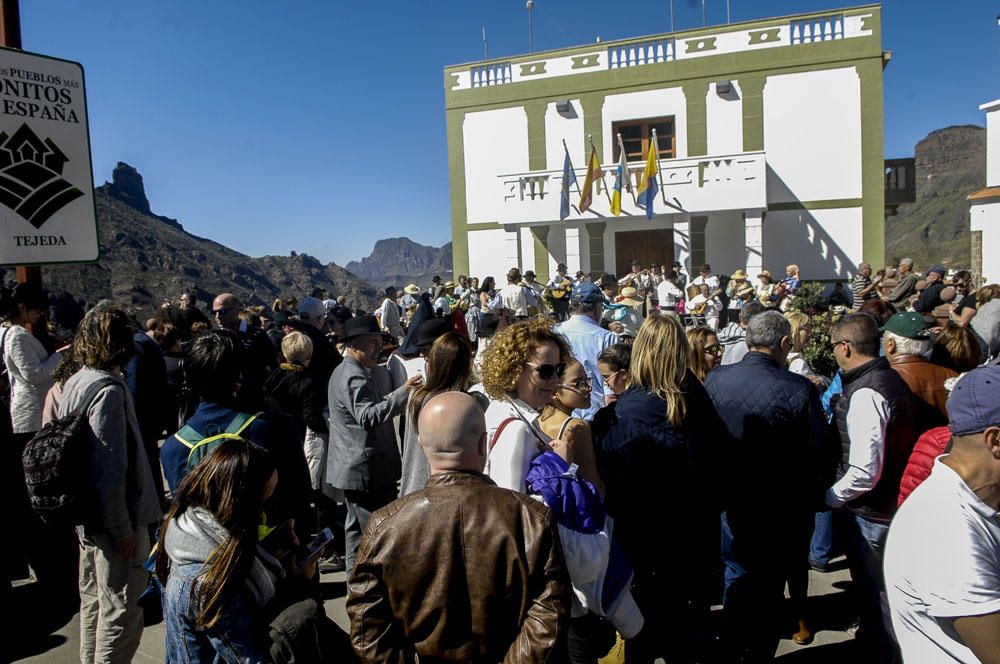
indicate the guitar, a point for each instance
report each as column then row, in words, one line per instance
column 563, row 290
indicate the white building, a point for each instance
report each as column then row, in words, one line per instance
column 984, row 214
column 770, row 140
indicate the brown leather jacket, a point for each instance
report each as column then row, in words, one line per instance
column 926, row 380
column 462, row 571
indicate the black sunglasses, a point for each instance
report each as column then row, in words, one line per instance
column 221, row 312
column 548, row 371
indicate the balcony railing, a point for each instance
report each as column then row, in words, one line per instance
column 695, row 185
column 640, row 53
column 817, row 29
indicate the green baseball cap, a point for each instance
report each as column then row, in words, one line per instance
column 909, row 324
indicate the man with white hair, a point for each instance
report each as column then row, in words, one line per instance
column 905, row 342
column 900, row 296
column 429, row 583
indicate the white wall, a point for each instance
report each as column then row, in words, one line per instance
column 725, row 248
column 993, row 146
column 825, row 244
column 489, row 253
column 985, row 217
column 568, row 127
column 812, row 135
column 496, row 143
column 643, row 105
column 725, row 120
column 527, row 249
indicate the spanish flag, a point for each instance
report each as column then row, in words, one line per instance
column 647, row 186
column 621, row 181
column 593, row 173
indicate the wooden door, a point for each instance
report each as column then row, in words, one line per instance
column 648, row 247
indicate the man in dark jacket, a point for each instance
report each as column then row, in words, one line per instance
column 930, row 297
column 460, row 596
column 874, row 417
column 778, row 425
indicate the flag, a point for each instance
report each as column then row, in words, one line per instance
column 621, row 181
column 593, row 173
column 647, row 186
column 569, row 176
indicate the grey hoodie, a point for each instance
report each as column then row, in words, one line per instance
column 126, row 495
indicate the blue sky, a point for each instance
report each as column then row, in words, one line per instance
column 318, row 126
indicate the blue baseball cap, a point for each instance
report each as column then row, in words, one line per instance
column 587, row 293
column 974, row 404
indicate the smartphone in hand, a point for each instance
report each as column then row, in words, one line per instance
column 316, row 547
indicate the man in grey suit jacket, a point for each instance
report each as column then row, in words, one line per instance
column 364, row 457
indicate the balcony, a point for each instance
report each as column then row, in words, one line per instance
column 689, row 186
column 900, row 183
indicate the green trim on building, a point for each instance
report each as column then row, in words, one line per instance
column 752, row 91
column 593, row 118
column 533, row 68
column 696, row 241
column 700, row 45
column 872, row 161
column 535, row 112
column 829, row 204
column 486, row 226
column 585, row 61
column 764, row 36
column 695, row 93
column 540, row 234
column 452, row 83
column 595, row 232
column 459, row 213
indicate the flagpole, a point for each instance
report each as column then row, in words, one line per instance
column 627, row 175
column 578, row 190
column 604, row 183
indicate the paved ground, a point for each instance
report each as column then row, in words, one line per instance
column 58, row 640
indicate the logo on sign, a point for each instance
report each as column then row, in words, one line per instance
column 31, row 182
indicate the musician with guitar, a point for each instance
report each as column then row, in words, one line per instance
column 559, row 288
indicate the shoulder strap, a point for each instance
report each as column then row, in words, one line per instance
column 241, row 422
column 565, row 425
column 496, row 434
column 91, row 394
column 192, row 438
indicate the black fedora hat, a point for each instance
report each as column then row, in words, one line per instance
column 359, row 326
column 430, row 330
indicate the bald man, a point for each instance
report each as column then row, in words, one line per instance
column 259, row 358
column 462, row 571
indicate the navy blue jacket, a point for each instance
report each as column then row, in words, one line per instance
column 777, row 419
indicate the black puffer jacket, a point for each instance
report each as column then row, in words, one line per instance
column 292, row 391
column 777, row 418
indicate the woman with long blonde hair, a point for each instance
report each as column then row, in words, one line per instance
column 657, row 451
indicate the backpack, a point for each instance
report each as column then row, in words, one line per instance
column 56, row 465
column 200, row 446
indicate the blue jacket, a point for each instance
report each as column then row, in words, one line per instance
column 275, row 433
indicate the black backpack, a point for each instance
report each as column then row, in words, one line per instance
column 57, row 466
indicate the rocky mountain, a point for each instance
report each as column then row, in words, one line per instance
column 951, row 164
column 146, row 257
column 398, row 261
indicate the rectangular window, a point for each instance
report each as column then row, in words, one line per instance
column 637, row 135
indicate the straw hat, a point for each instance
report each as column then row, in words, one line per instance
column 739, row 275
column 628, row 297
column 411, row 289
column 764, row 273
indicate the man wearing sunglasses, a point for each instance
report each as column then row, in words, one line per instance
column 587, row 340
column 259, row 360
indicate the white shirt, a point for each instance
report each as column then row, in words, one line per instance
column 667, row 294
column 388, row 314
column 512, row 297
column 867, row 419
column 942, row 561
column 711, row 281
column 442, row 304
column 521, row 440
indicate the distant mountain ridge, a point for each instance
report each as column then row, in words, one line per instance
column 398, row 261
column 146, row 257
column 934, row 230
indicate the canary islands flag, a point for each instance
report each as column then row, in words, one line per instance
column 621, row 181
column 647, row 186
column 569, row 177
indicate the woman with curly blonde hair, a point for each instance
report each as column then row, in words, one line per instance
column 521, row 370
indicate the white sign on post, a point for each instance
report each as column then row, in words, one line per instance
column 47, row 212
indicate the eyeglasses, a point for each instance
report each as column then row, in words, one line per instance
column 606, row 379
column 580, row 384
column 548, row 371
column 834, row 344
column 220, row 313
column 714, row 349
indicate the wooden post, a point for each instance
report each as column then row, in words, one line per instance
column 10, row 36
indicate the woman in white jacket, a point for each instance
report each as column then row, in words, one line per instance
column 28, row 364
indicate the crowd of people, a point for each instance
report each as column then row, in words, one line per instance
column 535, row 472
